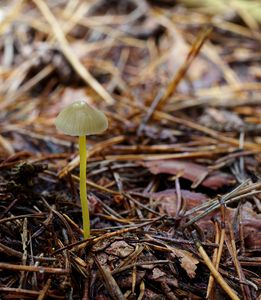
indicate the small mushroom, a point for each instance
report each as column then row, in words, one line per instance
column 80, row 119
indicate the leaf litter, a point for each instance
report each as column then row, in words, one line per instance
column 174, row 184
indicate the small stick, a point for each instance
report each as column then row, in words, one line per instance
column 142, row 290
column 18, row 293
column 58, row 271
column 134, row 278
column 233, row 252
column 230, row 292
column 194, row 51
column 221, row 243
column 214, row 260
column 150, row 112
column 45, row 289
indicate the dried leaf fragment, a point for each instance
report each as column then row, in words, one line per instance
column 120, row 248
column 188, row 261
column 190, row 171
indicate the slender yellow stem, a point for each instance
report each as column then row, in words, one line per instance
column 83, row 187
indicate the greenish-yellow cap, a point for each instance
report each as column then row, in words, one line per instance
column 79, row 118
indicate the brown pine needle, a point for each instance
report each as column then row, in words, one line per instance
column 39, row 269
column 109, row 282
column 230, row 292
column 220, row 247
column 214, row 260
column 194, row 51
column 69, row 54
column 11, row 16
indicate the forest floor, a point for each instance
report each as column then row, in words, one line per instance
column 174, row 184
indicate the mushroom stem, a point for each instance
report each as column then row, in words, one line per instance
column 83, row 188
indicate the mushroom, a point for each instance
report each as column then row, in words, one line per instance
column 80, row 119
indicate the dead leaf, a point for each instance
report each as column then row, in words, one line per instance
column 188, row 261
column 168, row 200
column 157, row 273
column 250, row 220
column 190, row 171
column 120, row 248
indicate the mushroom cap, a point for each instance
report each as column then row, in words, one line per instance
column 79, row 118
